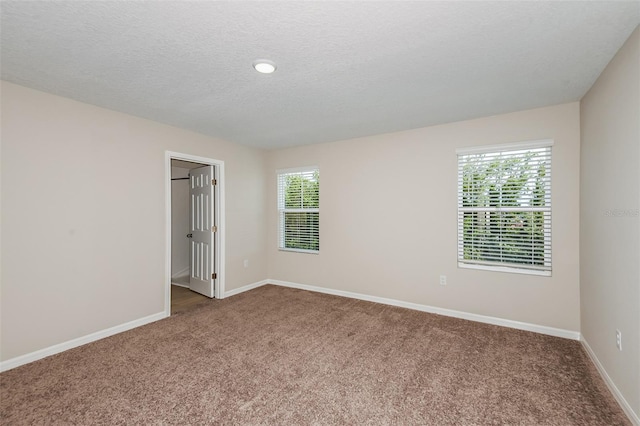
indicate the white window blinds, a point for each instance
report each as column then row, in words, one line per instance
column 504, row 208
column 299, row 209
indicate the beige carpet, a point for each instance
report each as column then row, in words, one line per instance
column 282, row 356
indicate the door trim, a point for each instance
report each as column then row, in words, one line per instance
column 218, row 210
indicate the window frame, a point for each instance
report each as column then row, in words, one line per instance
column 496, row 266
column 282, row 210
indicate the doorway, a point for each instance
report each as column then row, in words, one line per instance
column 195, row 227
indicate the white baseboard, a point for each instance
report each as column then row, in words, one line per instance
column 179, row 285
column 42, row 353
column 181, row 273
column 61, row 347
column 633, row 416
column 557, row 332
column 245, row 288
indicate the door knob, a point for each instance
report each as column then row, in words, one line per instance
column 189, row 235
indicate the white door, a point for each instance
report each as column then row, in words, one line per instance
column 201, row 277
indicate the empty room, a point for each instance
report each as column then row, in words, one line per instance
column 320, row 212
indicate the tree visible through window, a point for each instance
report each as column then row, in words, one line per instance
column 299, row 209
column 504, row 207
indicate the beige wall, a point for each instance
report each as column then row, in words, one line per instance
column 610, row 225
column 179, row 222
column 83, row 217
column 388, row 219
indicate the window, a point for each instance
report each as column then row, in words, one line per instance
column 504, row 208
column 299, row 209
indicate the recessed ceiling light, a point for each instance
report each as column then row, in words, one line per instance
column 264, row 66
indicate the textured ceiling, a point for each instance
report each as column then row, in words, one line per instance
column 345, row 69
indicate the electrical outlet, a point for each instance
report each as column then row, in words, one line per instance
column 246, row 263
column 443, row 280
column 618, row 340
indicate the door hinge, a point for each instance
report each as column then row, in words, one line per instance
column 214, row 229
column 214, row 182
column 214, row 276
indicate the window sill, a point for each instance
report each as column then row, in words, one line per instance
column 299, row 250
column 507, row 269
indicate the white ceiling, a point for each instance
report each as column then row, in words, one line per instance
column 345, row 69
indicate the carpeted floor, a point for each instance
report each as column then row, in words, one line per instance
column 283, row 356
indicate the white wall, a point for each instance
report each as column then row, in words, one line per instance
column 179, row 222
column 610, row 224
column 388, row 219
column 83, row 217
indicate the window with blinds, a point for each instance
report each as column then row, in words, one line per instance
column 299, row 209
column 504, row 208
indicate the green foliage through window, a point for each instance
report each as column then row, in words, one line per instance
column 299, row 207
column 504, row 208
